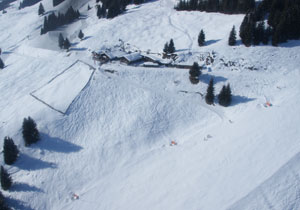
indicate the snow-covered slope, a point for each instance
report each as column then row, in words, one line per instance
column 111, row 146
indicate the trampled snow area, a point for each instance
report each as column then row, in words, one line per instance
column 112, row 147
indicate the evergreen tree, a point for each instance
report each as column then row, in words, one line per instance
column 67, row 44
column 225, row 96
column 195, row 70
column 10, row 151
column 232, row 37
column 166, row 48
column 6, row 180
column 201, row 38
column 210, row 96
column 30, row 132
column 61, row 41
column 80, row 35
column 3, row 205
column 89, row 8
column 41, row 9
column 171, row 48
column 1, row 64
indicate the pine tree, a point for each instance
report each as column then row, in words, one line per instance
column 80, row 35
column 166, row 48
column 201, row 38
column 210, row 96
column 195, row 71
column 6, row 180
column 61, row 41
column 3, row 205
column 225, row 96
column 41, row 9
column 30, row 132
column 10, row 151
column 1, row 64
column 88, row 8
column 171, row 48
column 232, row 37
column 67, row 44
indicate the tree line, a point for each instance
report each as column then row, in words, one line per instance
column 282, row 18
column 113, row 8
column 222, row 6
column 53, row 21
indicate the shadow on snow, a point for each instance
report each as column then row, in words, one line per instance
column 28, row 163
column 54, row 144
column 236, row 99
column 205, row 78
column 16, row 204
column 23, row 187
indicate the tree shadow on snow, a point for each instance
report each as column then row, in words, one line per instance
column 54, row 144
column 78, row 49
column 86, row 38
column 23, row 187
column 290, row 44
column 236, row 99
column 205, row 78
column 28, row 163
column 16, row 204
column 210, row 42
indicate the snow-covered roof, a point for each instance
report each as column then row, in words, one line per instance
column 113, row 54
column 133, row 57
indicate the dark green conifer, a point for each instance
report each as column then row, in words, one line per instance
column 41, row 9
column 30, row 132
column 6, row 180
column 201, row 38
column 210, row 96
column 10, row 151
column 232, row 37
column 171, row 48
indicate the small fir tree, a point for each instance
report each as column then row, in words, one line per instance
column 201, row 38
column 10, row 151
column 6, row 180
column 171, row 48
column 67, row 44
column 1, row 64
column 3, row 205
column 166, row 48
column 30, row 132
column 195, row 71
column 80, row 35
column 88, row 8
column 41, row 9
column 232, row 37
column 210, row 96
column 61, row 41
column 225, row 96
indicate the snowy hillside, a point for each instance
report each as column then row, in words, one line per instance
column 106, row 130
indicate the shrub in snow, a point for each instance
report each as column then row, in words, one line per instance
column 30, row 132
column 6, row 180
column 10, row 151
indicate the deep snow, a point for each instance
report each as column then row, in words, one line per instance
column 111, row 147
